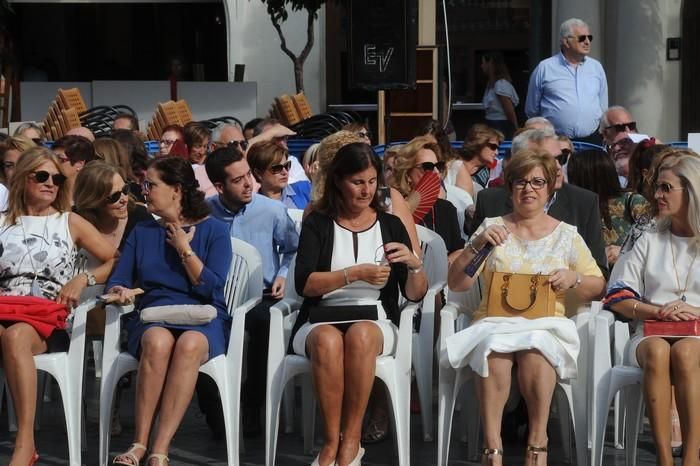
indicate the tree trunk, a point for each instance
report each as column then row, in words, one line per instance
column 299, row 75
column 298, row 61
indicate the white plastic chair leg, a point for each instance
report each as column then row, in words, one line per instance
column 446, row 407
column 288, row 399
column 97, row 356
column 308, row 407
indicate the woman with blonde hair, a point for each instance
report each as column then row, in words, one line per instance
column 659, row 279
column 10, row 150
column 415, row 160
column 40, row 237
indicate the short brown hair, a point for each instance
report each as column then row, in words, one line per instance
column 406, row 159
column 524, row 161
column 93, row 185
column 195, row 133
column 264, row 154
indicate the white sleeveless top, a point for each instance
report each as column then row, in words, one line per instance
column 36, row 246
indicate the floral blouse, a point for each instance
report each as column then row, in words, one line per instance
column 625, row 210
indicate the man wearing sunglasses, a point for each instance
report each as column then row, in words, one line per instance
column 570, row 89
column 614, row 121
column 571, row 204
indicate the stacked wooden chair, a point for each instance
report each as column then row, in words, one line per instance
column 68, row 110
column 166, row 114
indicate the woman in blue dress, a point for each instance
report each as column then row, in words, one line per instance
column 183, row 258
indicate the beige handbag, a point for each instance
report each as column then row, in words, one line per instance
column 520, row 295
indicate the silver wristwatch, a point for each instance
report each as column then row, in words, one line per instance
column 91, row 281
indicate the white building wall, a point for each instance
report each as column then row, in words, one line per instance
column 254, row 42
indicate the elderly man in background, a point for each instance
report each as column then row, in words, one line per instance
column 570, row 89
column 616, row 120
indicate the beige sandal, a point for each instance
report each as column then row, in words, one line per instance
column 162, row 460
column 535, row 452
column 129, row 458
column 488, row 453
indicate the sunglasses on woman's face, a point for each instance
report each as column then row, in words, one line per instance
column 563, row 157
column 277, row 169
column 43, row 176
column 115, row 196
column 430, row 166
column 492, row 146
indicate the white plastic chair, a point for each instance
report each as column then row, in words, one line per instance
column 461, row 200
column 67, row 367
column 451, row 380
column 435, row 263
column 393, row 370
column 243, row 291
column 607, row 381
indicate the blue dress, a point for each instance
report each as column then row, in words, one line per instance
column 150, row 263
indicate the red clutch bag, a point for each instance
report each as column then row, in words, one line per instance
column 688, row 328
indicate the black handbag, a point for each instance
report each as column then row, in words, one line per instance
column 332, row 314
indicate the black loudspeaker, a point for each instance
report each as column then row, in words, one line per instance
column 383, row 37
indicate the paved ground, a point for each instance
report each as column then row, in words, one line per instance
column 194, row 445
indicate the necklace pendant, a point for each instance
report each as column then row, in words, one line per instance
column 36, row 289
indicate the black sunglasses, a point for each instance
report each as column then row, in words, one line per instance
column 492, row 146
column 115, row 196
column 430, row 166
column 276, row 169
column 563, row 157
column 583, row 37
column 242, row 144
column 42, row 176
column 620, row 127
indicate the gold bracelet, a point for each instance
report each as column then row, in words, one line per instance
column 634, row 310
column 185, row 255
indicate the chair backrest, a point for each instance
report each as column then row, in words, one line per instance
column 71, row 118
column 71, row 98
column 287, row 110
column 245, row 276
column 461, row 200
column 168, row 113
column 301, row 103
column 434, row 255
column 183, row 112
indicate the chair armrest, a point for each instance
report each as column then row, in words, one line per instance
column 405, row 339
column 287, row 306
column 235, row 342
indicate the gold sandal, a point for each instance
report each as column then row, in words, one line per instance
column 129, row 458
column 535, row 453
column 488, row 453
column 162, row 460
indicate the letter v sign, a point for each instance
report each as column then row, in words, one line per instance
column 384, row 59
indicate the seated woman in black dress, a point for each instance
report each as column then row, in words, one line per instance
column 351, row 253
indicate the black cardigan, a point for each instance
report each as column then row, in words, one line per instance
column 315, row 252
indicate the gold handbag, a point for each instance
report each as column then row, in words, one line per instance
column 520, row 295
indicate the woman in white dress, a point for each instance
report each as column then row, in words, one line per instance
column 39, row 240
column 659, row 278
column 527, row 241
column 352, row 259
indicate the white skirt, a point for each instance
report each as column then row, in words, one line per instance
column 389, row 331
column 555, row 337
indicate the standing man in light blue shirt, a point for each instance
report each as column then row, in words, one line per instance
column 263, row 223
column 570, row 89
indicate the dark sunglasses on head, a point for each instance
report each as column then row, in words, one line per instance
column 275, row 169
column 620, row 127
column 563, row 157
column 430, row 166
column 115, row 196
column 583, row 37
column 42, row 176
